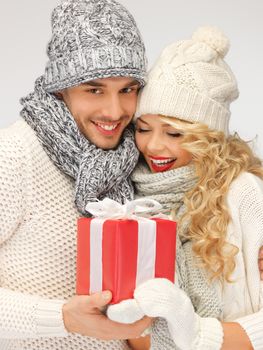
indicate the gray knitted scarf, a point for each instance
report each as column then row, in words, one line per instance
column 169, row 188
column 97, row 173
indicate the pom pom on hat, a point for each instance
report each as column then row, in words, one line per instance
column 214, row 38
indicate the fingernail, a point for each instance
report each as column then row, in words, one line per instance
column 106, row 295
column 261, row 276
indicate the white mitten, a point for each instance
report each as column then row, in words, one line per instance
column 161, row 298
column 127, row 311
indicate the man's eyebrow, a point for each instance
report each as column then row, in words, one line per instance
column 100, row 84
column 94, row 83
column 132, row 83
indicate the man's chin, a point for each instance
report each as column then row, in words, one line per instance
column 107, row 144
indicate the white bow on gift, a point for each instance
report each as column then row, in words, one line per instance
column 110, row 209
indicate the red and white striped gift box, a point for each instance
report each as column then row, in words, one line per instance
column 120, row 254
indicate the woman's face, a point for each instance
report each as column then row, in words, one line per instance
column 159, row 143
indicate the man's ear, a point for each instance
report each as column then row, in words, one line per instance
column 59, row 95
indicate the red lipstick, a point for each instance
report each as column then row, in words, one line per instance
column 160, row 164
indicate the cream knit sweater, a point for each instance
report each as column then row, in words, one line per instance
column 243, row 299
column 245, row 295
column 37, row 248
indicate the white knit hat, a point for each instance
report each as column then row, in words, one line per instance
column 192, row 82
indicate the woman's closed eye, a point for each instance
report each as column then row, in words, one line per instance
column 174, row 134
column 142, row 129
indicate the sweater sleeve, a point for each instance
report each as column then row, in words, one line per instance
column 28, row 316
column 251, row 220
column 21, row 315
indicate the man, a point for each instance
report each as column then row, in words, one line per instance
column 72, row 145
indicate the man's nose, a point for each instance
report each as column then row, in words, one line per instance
column 113, row 108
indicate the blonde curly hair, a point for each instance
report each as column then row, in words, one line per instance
column 218, row 161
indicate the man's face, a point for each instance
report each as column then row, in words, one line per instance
column 102, row 108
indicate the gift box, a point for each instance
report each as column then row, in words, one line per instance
column 123, row 251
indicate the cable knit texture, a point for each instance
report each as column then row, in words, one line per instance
column 93, row 39
column 37, row 248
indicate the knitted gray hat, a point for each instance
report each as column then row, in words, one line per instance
column 93, row 39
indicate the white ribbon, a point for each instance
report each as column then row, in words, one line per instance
column 110, row 209
column 96, row 234
column 146, row 251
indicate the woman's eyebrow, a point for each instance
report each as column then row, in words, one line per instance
column 143, row 121
column 164, row 125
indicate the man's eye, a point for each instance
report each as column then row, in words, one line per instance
column 128, row 90
column 95, row 91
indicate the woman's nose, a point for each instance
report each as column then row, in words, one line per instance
column 155, row 144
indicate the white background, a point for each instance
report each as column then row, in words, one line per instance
column 25, row 31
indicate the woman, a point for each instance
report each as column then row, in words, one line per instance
column 211, row 183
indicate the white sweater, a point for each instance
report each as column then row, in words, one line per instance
column 37, row 248
column 243, row 298
column 245, row 295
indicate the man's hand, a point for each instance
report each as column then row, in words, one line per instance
column 260, row 262
column 143, row 343
column 82, row 314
